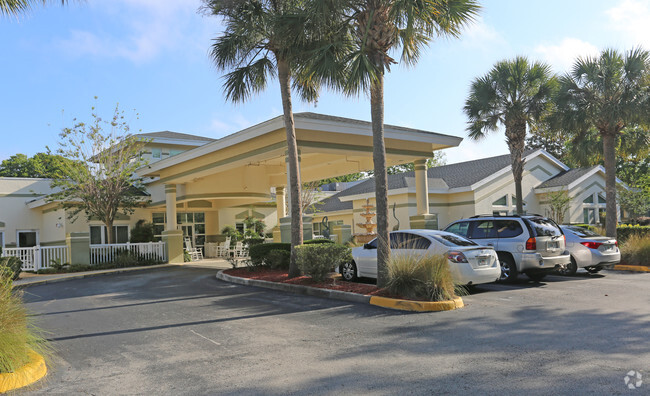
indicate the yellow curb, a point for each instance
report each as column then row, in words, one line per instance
column 640, row 268
column 26, row 375
column 418, row 306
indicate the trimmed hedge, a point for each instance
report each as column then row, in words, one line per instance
column 259, row 252
column 317, row 241
column 623, row 232
column 319, row 260
column 253, row 241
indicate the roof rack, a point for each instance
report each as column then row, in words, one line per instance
column 501, row 215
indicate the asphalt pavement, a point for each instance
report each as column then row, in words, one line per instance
column 179, row 331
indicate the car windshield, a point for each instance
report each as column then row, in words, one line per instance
column 582, row 232
column 545, row 227
column 454, row 240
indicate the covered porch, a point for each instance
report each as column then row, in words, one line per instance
column 244, row 168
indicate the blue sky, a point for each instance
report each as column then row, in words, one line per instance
column 151, row 56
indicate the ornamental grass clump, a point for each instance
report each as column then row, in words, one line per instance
column 17, row 336
column 421, row 277
column 636, row 250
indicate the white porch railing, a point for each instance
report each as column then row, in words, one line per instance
column 100, row 254
column 37, row 257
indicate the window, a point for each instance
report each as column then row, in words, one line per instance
column 240, row 227
column 582, row 232
column 501, row 201
column 484, row 229
column 405, row 240
column 174, row 152
column 98, row 235
column 454, row 240
column 544, row 227
column 508, row 228
column 589, row 200
column 601, row 199
column 459, row 228
column 589, row 215
column 27, row 238
column 156, row 153
column 514, row 201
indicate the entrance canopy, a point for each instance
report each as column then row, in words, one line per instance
column 242, row 167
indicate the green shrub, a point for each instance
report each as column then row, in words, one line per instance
column 14, row 264
column 318, row 260
column 636, row 250
column 418, row 277
column 278, row 259
column 258, row 253
column 57, row 264
column 186, row 256
column 253, row 241
column 17, row 335
column 230, row 231
column 142, row 232
column 124, row 259
column 80, row 267
column 623, row 232
column 317, row 241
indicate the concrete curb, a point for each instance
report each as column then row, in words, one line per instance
column 417, row 306
column 384, row 302
column 633, row 268
column 66, row 277
column 298, row 289
column 24, row 376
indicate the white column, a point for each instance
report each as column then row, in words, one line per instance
column 170, row 204
column 280, row 202
column 421, row 187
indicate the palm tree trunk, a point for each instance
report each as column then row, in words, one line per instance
column 284, row 76
column 381, row 177
column 516, row 139
column 609, row 152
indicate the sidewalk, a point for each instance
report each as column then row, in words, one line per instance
column 28, row 279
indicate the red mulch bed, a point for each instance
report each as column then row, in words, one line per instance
column 282, row 276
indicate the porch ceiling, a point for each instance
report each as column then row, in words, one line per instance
column 329, row 146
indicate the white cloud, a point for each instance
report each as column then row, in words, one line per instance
column 141, row 30
column 562, row 56
column 479, row 35
column 632, row 18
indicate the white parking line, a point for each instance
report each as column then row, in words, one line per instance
column 202, row 336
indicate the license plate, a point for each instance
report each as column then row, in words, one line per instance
column 553, row 245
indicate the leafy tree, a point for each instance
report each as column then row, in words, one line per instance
column 558, row 202
column 438, row 159
column 553, row 141
column 142, row 232
column 263, row 39
column 609, row 93
column 254, row 227
column 515, row 94
column 635, row 201
column 16, row 7
column 370, row 30
column 43, row 165
column 99, row 180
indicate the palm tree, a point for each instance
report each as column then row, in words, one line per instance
column 262, row 39
column 514, row 94
column 15, row 7
column 370, row 31
column 608, row 93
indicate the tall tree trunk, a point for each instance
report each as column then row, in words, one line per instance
column 609, row 152
column 516, row 139
column 284, row 76
column 109, row 231
column 381, row 177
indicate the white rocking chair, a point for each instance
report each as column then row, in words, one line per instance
column 239, row 250
column 224, row 248
column 195, row 254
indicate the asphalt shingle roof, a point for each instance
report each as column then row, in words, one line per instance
column 331, row 204
column 565, row 178
column 174, row 135
column 457, row 175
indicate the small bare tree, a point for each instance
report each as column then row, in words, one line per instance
column 100, row 179
column 558, row 202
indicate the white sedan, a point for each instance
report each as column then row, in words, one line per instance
column 589, row 250
column 469, row 262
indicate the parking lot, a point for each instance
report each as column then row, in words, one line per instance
column 181, row 331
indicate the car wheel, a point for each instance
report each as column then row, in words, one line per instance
column 508, row 270
column 536, row 276
column 593, row 270
column 348, row 271
column 570, row 269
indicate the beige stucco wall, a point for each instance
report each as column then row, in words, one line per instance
column 15, row 193
column 594, row 184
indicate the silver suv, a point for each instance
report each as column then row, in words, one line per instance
column 531, row 244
